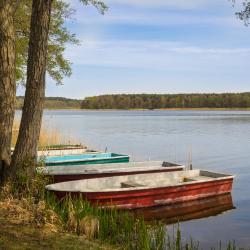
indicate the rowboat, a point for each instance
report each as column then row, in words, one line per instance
column 185, row 211
column 86, row 158
column 53, row 150
column 146, row 190
column 79, row 172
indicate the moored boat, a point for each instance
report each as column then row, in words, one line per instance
column 79, row 172
column 145, row 190
column 86, row 158
column 57, row 150
column 61, row 149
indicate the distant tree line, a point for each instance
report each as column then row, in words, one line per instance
column 161, row 101
column 53, row 103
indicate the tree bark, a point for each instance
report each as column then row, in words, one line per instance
column 27, row 142
column 7, row 82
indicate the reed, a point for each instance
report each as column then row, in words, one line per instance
column 48, row 136
column 115, row 226
column 120, row 228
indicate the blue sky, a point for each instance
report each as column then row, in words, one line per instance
column 157, row 46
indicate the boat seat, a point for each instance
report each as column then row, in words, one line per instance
column 185, row 179
column 168, row 164
column 91, row 171
column 197, row 178
column 203, row 177
column 130, row 184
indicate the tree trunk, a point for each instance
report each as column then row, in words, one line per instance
column 7, row 82
column 27, row 142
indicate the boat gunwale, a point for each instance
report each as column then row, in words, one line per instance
column 97, row 172
column 87, row 159
column 140, row 188
column 117, row 168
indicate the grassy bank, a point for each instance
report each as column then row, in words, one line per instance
column 75, row 224
column 20, row 231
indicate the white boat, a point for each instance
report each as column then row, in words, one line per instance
column 77, row 172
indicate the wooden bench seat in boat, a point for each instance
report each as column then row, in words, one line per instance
column 130, row 184
column 197, row 178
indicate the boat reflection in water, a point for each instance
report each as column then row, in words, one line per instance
column 188, row 210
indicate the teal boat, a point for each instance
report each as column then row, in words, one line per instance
column 82, row 159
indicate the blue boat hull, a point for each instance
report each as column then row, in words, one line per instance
column 84, row 159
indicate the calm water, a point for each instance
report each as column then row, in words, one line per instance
column 218, row 140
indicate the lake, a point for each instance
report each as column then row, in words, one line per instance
column 216, row 140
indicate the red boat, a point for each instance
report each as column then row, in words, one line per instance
column 146, row 190
column 80, row 172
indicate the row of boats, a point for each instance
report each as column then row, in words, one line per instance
column 110, row 180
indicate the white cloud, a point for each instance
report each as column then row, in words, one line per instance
column 160, row 12
column 183, row 4
column 157, row 56
column 211, row 51
column 166, row 19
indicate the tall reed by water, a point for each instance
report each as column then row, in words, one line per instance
column 110, row 225
column 120, row 228
column 48, row 136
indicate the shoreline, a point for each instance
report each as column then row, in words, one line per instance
column 169, row 109
column 162, row 109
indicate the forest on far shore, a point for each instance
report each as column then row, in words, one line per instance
column 148, row 101
column 53, row 103
column 164, row 101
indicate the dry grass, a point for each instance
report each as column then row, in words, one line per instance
column 18, row 230
column 48, row 136
column 89, row 226
column 27, row 212
column 27, row 225
column 15, row 130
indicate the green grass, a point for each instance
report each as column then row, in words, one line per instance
column 118, row 227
